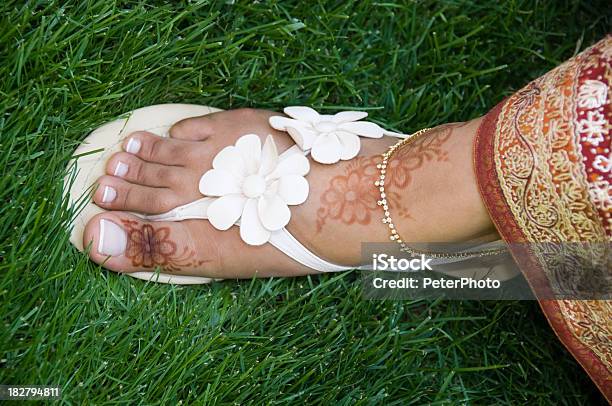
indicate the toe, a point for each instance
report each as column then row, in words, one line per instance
column 114, row 193
column 229, row 125
column 166, row 151
column 135, row 170
column 123, row 243
column 193, row 129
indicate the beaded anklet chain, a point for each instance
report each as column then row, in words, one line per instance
column 393, row 234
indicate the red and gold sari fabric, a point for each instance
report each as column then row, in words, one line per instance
column 544, row 168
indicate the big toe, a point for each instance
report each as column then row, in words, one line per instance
column 193, row 129
column 122, row 242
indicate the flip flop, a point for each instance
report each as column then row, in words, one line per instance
column 89, row 161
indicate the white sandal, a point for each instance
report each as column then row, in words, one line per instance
column 259, row 203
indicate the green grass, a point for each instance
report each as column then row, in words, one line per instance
column 67, row 67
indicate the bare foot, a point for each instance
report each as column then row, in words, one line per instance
column 432, row 192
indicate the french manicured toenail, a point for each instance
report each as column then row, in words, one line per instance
column 121, row 169
column 133, row 146
column 109, row 194
column 113, row 239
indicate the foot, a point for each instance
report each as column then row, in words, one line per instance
column 434, row 198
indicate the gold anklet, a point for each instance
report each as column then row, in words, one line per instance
column 393, row 234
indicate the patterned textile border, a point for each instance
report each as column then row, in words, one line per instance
column 542, row 160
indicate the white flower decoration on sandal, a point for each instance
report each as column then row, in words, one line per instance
column 329, row 138
column 254, row 185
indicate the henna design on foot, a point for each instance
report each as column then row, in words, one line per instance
column 351, row 197
column 150, row 247
column 401, row 168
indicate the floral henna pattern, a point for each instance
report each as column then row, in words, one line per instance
column 151, row 247
column 414, row 155
column 351, row 197
column 401, row 168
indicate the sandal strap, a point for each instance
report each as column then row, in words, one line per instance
column 290, row 246
column 281, row 239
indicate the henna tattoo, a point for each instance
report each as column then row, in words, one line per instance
column 401, row 167
column 150, row 247
column 351, row 197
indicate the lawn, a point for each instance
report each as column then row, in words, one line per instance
column 67, row 67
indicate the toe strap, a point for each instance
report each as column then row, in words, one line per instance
column 195, row 210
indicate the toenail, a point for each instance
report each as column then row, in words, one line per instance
column 109, row 194
column 113, row 239
column 121, row 169
column 133, row 146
